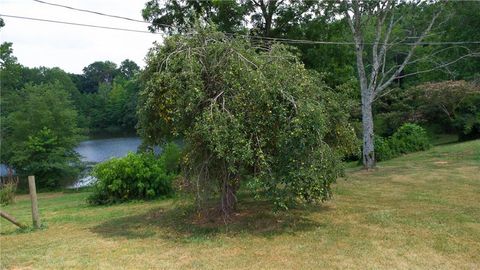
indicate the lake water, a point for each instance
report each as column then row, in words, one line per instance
column 98, row 150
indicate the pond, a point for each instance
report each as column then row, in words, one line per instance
column 94, row 151
column 98, row 150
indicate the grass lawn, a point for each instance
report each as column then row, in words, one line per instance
column 418, row 211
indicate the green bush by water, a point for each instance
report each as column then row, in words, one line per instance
column 135, row 177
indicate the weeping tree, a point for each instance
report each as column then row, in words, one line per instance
column 249, row 117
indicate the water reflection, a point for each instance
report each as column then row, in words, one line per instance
column 95, row 151
column 100, row 150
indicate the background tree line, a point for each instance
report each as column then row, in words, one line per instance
column 45, row 112
column 104, row 95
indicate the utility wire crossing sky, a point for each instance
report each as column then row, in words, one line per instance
column 74, row 47
column 144, row 31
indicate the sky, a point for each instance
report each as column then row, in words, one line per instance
column 71, row 48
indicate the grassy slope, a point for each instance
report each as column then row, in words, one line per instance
column 417, row 211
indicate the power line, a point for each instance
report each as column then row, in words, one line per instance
column 313, row 42
column 283, row 40
column 90, row 11
column 77, row 24
column 97, row 12
column 295, row 41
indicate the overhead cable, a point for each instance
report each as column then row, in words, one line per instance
column 283, row 40
column 77, row 24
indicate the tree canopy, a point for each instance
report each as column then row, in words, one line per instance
column 246, row 116
column 39, row 135
column 262, row 17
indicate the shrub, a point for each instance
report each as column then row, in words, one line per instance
column 409, row 138
column 136, row 176
column 383, row 150
column 7, row 192
column 467, row 120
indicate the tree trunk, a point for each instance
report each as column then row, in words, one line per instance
column 368, row 154
column 229, row 198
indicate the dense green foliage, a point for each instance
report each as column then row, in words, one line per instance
column 452, row 106
column 383, row 149
column 105, row 100
column 265, row 18
column 410, row 138
column 95, row 74
column 112, row 108
column 227, row 14
column 108, row 97
column 245, row 115
column 135, row 176
column 407, row 139
column 443, row 107
column 39, row 123
column 280, row 19
column 458, row 23
column 39, row 134
column 326, row 21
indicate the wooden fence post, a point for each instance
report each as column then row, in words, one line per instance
column 33, row 198
column 11, row 219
